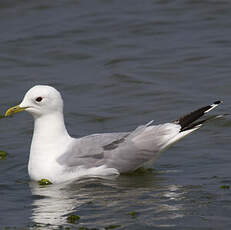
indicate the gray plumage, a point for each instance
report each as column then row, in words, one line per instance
column 56, row 156
column 122, row 151
column 131, row 150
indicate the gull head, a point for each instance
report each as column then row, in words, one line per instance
column 39, row 100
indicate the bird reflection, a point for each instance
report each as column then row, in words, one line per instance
column 101, row 199
column 52, row 203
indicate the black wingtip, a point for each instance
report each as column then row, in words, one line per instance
column 187, row 121
column 217, row 102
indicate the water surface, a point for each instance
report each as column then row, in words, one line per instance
column 119, row 64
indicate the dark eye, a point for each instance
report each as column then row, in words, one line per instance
column 38, row 99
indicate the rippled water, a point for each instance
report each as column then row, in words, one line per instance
column 119, row 64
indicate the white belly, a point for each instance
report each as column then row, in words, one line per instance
column 42, row 167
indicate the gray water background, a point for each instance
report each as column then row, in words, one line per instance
column 119, row 64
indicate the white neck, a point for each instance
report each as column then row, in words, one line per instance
column 49, row 128
column 50, row 139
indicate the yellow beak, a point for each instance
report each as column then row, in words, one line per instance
column 14, row 109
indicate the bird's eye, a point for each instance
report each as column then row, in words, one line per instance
column 38, row 99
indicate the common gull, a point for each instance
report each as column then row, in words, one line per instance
column 58, row 157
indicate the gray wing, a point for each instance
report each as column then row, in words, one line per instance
column 122, row 151
column 129, row 151
column 89, row 150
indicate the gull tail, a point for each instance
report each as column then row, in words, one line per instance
column 187, row 122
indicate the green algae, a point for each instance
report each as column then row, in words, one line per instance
column 85, row 228
column 133, row 214
column 139, row 172
column 3, row 155
column 112, row 226
column 100, row 119
column 44, row 182
column 225, row 187
column 72, row 219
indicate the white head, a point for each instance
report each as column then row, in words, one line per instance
column 39, row 100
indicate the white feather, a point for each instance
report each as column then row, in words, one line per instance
column 56, row 156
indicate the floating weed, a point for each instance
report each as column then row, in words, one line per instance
column 100, row 119
column 112, row 226
column 3, row 155
column 44, row 182
column 85, row 228
column 225, row 187
column 72, row 219
column 139, row 172
column 133, row 214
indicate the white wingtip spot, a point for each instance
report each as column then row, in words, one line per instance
column 213, row 106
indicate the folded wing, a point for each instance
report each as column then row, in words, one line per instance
column 128, row 151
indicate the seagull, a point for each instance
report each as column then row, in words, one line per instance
column 58, row 157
